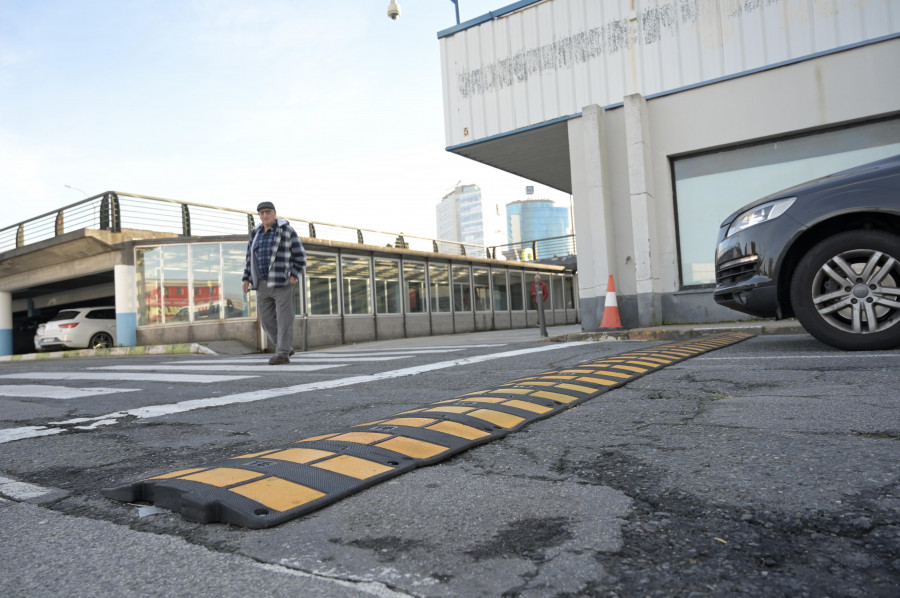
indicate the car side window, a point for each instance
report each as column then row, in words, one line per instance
column 101, row 314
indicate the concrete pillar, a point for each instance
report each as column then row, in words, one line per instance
column 6, row 324
column 126, row 306
column 643, row 214
column 594, row 226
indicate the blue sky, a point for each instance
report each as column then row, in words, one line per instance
column 327, row 108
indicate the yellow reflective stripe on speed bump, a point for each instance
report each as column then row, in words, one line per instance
column 265, row 488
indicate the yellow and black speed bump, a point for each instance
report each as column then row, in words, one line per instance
column 269, row 487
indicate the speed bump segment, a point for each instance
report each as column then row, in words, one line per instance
column 266, row 488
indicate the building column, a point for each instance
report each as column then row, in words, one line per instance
column 592, row 205
column 126, row 306
column 643, row 215
column 6, row 323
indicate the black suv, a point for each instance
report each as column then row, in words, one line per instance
column 826, row 251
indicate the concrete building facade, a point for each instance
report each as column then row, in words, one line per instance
column 661, row 117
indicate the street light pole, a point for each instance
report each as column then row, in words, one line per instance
column 76, row 189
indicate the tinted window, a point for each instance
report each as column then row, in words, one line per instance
column 65, row 315
column 101, row 314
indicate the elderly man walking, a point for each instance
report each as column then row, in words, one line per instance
column 275, row 262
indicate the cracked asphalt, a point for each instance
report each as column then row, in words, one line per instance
column 765, row 468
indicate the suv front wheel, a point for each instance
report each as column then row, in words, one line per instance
column 846, row 290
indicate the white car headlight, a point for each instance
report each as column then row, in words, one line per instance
column 765, row 212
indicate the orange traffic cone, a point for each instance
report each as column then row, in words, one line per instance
column 611, row 308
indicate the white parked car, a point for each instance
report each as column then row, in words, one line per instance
column 80, row 328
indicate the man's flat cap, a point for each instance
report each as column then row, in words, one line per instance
column 266, row 205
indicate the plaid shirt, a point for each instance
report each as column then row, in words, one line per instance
column 286, row 256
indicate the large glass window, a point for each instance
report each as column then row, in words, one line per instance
column 569, row 292
column 414, row 281
column 709, row 187
column 501, row 294
column 556, row 291
column 148, row 271
column 238, row 304
column 439, row 277
column 462, row 289
column 516, row 290
column 482, row 279
column 387, row 286
column 206, row 270
column 321, row 285
column 175, row 281
column 355, row 272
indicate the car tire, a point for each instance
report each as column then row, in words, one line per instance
column 101, row 340
column 845, row 291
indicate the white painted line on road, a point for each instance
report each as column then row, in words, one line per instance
column 411, row 349
column 152, row 411
column 47, row 391
column 200, row 378
column 214, row 367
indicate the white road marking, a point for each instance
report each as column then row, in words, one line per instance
column 201, row 378
column 46, row 391
column 411, row 350
column 152, row 411
column 215, row 367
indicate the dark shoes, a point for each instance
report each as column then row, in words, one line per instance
column 279, row 360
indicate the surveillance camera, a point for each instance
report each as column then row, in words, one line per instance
column 393, row 10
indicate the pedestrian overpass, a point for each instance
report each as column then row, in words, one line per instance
column 173, row 271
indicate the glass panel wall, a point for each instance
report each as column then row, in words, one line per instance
column 569, row 292
column 516, row 290
column 462, row 289
column 321, row 285
column 357, row 277
column 414, row 281
column 387, row 286
column 238, row 304
column 501, row 295
column 148, row 272
column 207, row 292
column 556, row 291
column 710, row 186
column 482, row 280
column 439, row 279
column 175, row 281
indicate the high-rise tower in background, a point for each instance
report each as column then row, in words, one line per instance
column 459, row 216
column 530, row 220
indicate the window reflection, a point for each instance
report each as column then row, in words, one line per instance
column 357, row 285
column 387, row 286
column 462, row 289
column 516, row 291
column 501, row 295
column 482, row 280
column 322, row 290
column 414, row 281
column 439, row 277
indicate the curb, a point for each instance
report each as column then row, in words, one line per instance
column 179, row 348
column 675, row 333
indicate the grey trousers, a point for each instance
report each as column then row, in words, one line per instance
column 276, row 314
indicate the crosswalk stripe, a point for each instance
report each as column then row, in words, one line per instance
column 213, row 367
column 46, row 391
column 199, row 378
column 427, row 348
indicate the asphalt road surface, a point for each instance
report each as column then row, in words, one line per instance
column 764, row 468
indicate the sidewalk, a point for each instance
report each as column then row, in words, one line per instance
column 559, row 334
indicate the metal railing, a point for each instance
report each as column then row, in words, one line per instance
column 116, row 211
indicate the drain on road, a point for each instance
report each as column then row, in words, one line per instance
column 267, row 488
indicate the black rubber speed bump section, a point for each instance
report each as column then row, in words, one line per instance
column 269, row 487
